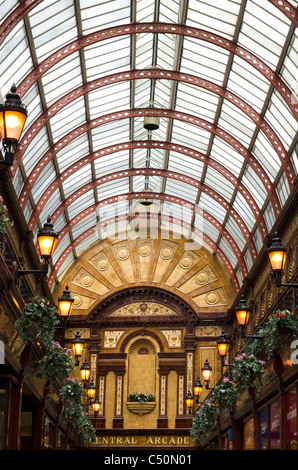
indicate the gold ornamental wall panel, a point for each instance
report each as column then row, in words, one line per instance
column 111, row 265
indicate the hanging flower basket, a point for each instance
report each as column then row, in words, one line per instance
column 38, row 321
column 280, row 330
column 204, row 421
column 57, row 364
column 225, row 394
column 247, row 369
column 73, row 412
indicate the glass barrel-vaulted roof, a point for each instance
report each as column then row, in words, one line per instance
column 220, row 75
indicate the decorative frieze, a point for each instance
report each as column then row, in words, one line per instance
column 111, row 338
column 173, row 338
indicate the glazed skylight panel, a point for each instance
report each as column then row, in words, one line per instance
column 144, row 46
column 68, row 119
column 50, row 207
column 97, row 15
column 52, row 27
column 267, row 35
column 207, row 228
column 109, row 99
column 169, row 11
column 232, row 227
column 219, row 183
column 281, row 119
column 253, row 183
column 45, row 178
column 209, row 204
column 269, row 216
column 180, row 212
column 186, row 165
column 248, row 83
column 89, row 221
column 219, row 17
column 68, row 260
column 267, row 156
column 227, row 155
column 34, row 107
column 78, row 179
column 142, row 93
column 69, row 154
column 236, row 123
column 244, row 210
column 111, row 163
column 16, row 59
column 37, row 147
column 107, row 57
column 6, row 8
column 196, row 101
column 228, row 251
column 81, row 203
column 85, row 243
column 162, row 93
column 62, row 245
column 145, row 10
column 182, row 190
column 63, row 77
column 282, row 189
column 110, row 211
column 197, row 61
column 113, row 188
column 110, row 133
column 289, row 68
column 166, row 52
column 190, row 135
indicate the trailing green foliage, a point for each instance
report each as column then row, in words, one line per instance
column 280, row 330
column 38, row 321
column 57, row 363
column 141, row 397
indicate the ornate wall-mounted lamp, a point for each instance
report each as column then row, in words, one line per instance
column 277, row 255
column 242, row 314
column 223, row 345
column 65, row 304
column 13, row 115
column 206, row 373
column 96, row 405
column 47, row 239
column 189, row 402
column 77, row 347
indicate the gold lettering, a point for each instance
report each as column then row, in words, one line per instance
column 164, row 440
column 172, row 440
column 119, row 440
column 186, row 440
column 126, row 440
column 149, row 440
column 157, row 440
column 134, row 440
column 179, row 440
column 105, row 440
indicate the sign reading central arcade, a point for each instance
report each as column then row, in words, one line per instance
column 146, row 440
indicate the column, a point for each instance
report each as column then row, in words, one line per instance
column 162, row 421
column 118, row 416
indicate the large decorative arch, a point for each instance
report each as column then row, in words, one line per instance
column 114, row 220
